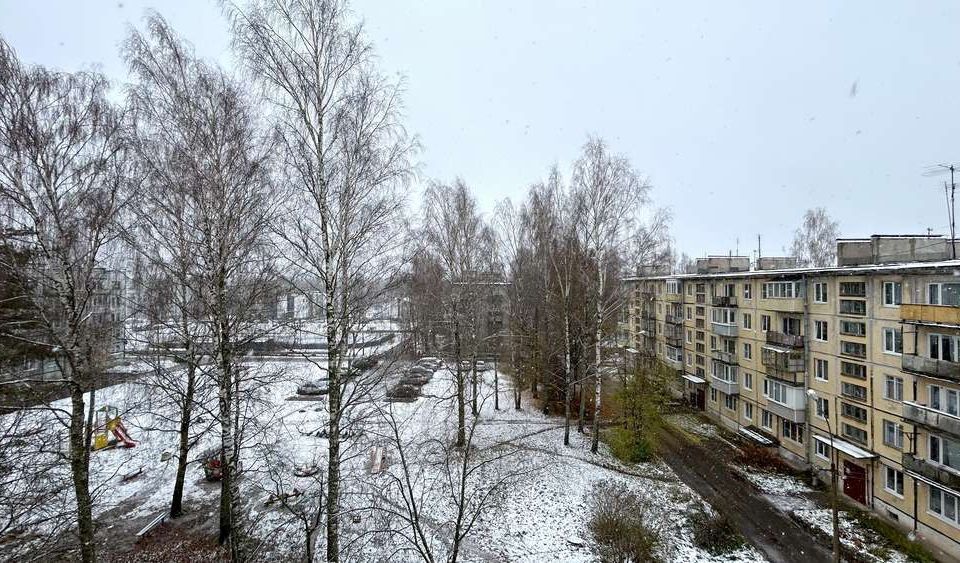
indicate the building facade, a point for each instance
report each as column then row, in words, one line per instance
column 857, row 362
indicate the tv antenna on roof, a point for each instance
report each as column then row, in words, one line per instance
column 948, row 192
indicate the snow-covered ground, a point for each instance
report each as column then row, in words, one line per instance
column 538, row 511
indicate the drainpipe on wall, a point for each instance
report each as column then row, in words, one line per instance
column 808, row 417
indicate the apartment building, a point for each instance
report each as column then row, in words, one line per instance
column 859, row 363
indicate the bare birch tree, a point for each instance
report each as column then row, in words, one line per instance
column 63, row 188
column 207, row 215
column 610, row 194
column 815, row 241
column 346, row 157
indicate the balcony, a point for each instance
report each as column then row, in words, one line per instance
column 724, row 386
column 933, row 472
column 793, row 413
column 725, row 357
column 791, row 377
column 674, row 319
column 673, row 297
column 783, row 339
column 930, row 367
column 930, row 314
column 925, row 416
column 724, row 301
column 724, row 329
column 783, row 359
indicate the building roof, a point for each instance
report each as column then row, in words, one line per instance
column 904, row 267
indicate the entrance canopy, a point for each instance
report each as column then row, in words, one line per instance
column 693, row 378
column 851, row 450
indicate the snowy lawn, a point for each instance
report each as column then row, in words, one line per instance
column 542, row 487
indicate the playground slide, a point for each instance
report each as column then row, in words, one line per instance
column 120, row 432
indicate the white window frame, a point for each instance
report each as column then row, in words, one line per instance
column 766, row 419
column 895, row 332
column 748, row 290
column 897, row 434
column 825, row 454
column 747, row 321
column 936, row 352
column 939, row 459
column 935, row 292
column 747, row 380
column 747, row 351
column 822, row 407
column 895, row 296
column 821, row 331
column 897, row 481
column 817, row 371
column 748, row 411
column 897, row 385
column 942, row 398
column 941, row 494
column 766, row 321
column 820, row 292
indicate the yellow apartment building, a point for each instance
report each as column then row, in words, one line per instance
column 859, row 363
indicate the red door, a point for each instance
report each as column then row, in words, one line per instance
column 855, row 482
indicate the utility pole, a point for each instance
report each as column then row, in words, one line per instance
column 949, row 191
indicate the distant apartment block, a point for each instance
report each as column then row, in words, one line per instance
column 877, row 340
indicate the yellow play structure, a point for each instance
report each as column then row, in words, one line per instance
column 108, row 422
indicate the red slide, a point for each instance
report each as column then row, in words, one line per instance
column 121, row 434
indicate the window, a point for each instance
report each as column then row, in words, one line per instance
column 689, row 336
column 748, row 380
column 856, row 434
column 713, row 342
column 853, row 289
column 894, row 481
column 747, row 321
column 731, row 402
column 944, row 294
column 747, row 351
column 893, row 388
column 700, row 311
column 893, row 434
column 689, row 290
column 748, row 411
column 851, row 369
column 820, row 329
column 290, row 302
column 689, row 313
column 780, row 290
column 892, row 341
column 791, row 325
column 853, row 307
column 853, row 328
column 713, row 395
column 725, row 372
column 792, row 430
column 673, row 286
column 689, row 359
column 853, row 411
column 892, row 294
column 943, row 347
column 764, row 323
column 944, row 505
column 823, row 449
column 701, row 336
column 856, row 349
column 821, row 369
column 766, row 419
column 701, row 362
column 747, row 291
column 944, row 452
column 820, row 292
column 823, row 407
column 724, row 316
column 775, row 391
column 675, row 354
column 944, row 399
column 853, row 391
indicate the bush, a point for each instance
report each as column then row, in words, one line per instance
column 617, row 524
column 913, row 550
column 714, row 533
column 759, row 457
column 628, row 446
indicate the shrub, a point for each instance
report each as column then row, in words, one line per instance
column 628, row 446
column 913, row 550
column 714, row 533
column 617, row 524
column 761, row 458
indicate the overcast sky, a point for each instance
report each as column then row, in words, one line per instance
column 741, row 114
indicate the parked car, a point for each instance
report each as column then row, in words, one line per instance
column 421, row 370
column 481, row 365
column 431, row 362
column 315, row 387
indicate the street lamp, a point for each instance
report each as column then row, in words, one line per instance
column 833, row 478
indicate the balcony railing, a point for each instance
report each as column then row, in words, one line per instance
column 672, row 297
column 936, row 473
column 723, row 356
column 791, row 414
column 925, row 416
column 674, row 319
column 783, row 339
column 791, row 377
column 724, row 329
column 782, row 359
column 929, row 366
column 933, row 314
column 724, row 386
column 724, row 301
column 674, row 363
